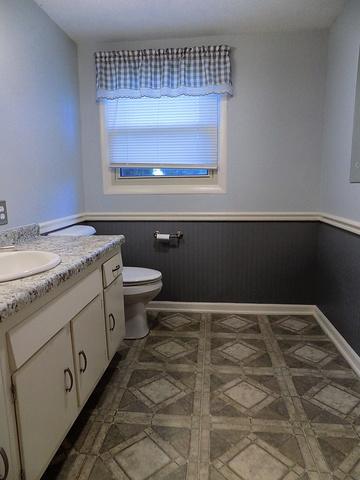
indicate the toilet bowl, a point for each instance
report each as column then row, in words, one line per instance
column 141, row 285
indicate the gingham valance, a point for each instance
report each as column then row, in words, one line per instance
column 166, row 72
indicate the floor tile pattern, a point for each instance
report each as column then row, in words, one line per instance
column 222, row 397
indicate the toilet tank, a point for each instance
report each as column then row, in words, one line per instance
column 75, row 231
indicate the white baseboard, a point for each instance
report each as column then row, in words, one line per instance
column 268, row 309
column 339, row 341
column 206, row 307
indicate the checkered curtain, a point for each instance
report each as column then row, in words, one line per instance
column 170, row 72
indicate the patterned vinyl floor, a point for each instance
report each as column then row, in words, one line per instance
column 220, row 397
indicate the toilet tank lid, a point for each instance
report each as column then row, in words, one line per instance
column 75, row 230
column 138, row 274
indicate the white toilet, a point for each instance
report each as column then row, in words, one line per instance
column 141, row 285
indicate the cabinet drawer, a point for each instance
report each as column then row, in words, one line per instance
column 112, row 269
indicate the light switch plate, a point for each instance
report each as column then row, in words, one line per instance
column 3, row 213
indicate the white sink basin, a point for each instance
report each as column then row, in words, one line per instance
column 19, row 264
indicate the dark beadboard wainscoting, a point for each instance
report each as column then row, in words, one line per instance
column 338, row 295
column 255, row 262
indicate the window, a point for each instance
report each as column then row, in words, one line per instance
column 130, row 172
column 163, row 145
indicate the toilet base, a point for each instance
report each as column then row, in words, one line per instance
column 136, row 325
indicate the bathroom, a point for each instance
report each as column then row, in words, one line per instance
column 179, row 252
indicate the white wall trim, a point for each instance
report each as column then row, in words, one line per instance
column 204, row 216
column 339, row 222
column 341, row 344
column 260, row 308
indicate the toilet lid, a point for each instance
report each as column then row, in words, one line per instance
column 76, row 231
column 138, row 275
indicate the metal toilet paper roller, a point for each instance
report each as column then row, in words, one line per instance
column 166, row 237
column 163, row 237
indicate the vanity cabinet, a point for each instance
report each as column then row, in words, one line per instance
column 6, row 467
column 89, row 343
column 46, row 402
column 55, row 357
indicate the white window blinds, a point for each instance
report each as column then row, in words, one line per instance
column 170, row 132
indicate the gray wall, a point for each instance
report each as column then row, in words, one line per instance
column 274, row 127
column 338, row 196
column 258, row 262
column 40, row 164
column 338, row 250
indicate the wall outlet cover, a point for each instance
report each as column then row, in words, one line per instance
column 3, row 213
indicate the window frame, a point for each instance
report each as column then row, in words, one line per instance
column 215, row 182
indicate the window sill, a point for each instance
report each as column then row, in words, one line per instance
column 162, row 189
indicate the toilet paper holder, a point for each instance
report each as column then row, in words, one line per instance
column 170, row 236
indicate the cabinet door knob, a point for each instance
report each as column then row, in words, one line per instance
column 68, row 371
column 6, row 464
column 112, row 318
column 115, row 269
column 83, row 355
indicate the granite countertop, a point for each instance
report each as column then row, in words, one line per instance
column 77, row 253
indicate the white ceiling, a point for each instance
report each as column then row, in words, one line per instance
column 110, row 20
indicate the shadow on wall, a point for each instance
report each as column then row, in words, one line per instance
column 247, row 262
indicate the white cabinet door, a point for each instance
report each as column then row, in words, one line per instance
column 46, row 402
column 89, row 342
column 115, row 316
column 6, row 468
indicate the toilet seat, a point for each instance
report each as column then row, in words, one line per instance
column 137, row 276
